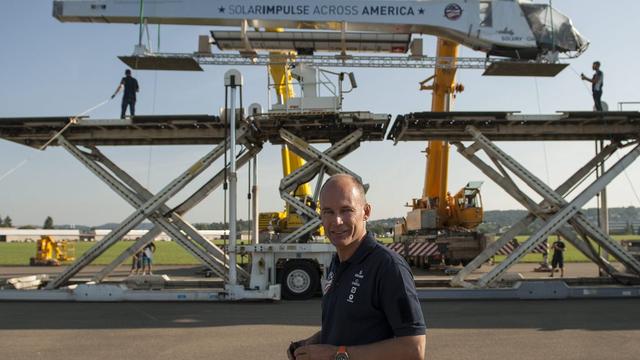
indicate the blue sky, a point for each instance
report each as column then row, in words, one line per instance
column 50, row 68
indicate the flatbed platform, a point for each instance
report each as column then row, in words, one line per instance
column 138, row 130
column 323, row 127
column 509, row 126
column 316, row 127
column 581, row 282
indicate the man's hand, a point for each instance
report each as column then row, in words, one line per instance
column 292, row 348
column 583, row 77
column 316, row 352
column 112, row 96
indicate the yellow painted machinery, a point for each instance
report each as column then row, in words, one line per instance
column 275, row 225
column 50, row 252
column 448, row 222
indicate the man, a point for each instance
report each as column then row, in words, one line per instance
column 370, row 307
column 130, row 85
column 597, row 81
column 558, row 257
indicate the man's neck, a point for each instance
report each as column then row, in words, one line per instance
column 346, row 253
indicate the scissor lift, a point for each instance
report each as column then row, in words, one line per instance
column 297, row 266
column 556, row 211
column 143, row 130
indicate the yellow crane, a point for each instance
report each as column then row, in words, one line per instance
column 448, row 221
column 287, row 221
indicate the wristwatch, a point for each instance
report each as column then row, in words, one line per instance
column 342, row 353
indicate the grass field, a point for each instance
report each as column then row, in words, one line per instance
column 170, row 253
column 167, row 253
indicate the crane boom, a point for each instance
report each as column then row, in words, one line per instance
column 497, row 27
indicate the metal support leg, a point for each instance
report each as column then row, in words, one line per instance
column 146, row 210
column 567, row 212
column 318, row 161
column 536, row 210
column 181, row 209
column 129, row 193
column 212, row 256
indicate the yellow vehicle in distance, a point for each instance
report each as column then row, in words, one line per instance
column 50, row 252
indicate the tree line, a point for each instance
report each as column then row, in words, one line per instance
column 7, row 222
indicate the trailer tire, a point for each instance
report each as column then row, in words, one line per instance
column 300, row 280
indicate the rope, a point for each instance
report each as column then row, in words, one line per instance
column 153, row 111
column 72, row 120
column 635, row 193
column 15, row 168
column 583, row 83
column 544, row 144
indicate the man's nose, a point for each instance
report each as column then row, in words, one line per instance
column 336, row 219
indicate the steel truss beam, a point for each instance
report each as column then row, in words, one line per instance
column 318, row 163
column 554, row 210
column 187, row 205
column 152, row 207
column 368, row 61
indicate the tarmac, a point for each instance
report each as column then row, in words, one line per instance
column 478, row 330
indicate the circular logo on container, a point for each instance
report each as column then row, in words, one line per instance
column 453, row 11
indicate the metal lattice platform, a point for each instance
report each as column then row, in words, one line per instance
column 507, row 126
column 322, row 127
column 317, row 127
column 140, row 130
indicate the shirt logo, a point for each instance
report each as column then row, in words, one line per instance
column 355, row 285
column 326, row 283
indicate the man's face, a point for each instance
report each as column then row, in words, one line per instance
column 595, row 66
column 343, row 212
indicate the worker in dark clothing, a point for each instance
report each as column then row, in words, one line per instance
column 370, row 306
column 597, row 81
column 558, row 257
column 130, row 85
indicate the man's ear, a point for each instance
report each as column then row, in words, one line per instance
column 367, row 211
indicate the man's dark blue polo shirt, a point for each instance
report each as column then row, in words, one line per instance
column 369, row 298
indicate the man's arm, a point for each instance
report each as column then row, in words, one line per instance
column 587, row 78
column 405, row 348
column 117, row 89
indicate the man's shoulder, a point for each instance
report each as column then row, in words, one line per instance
column 387, row 257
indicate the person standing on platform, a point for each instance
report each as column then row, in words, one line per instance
column 147, row 258
column 136, row 263
column 597, row 81
column 130, row 86
column 558, row 257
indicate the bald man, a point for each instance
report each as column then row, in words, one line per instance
column 370, row 307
